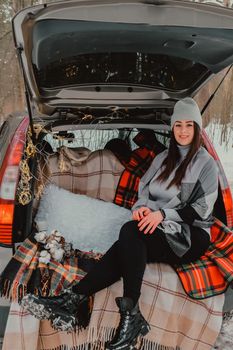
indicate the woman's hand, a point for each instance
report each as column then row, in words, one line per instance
column 141, row 213
column 150, row 222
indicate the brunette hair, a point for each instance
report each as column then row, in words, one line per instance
column 173, row 157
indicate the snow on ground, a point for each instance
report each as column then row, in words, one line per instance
column 223, row 147
column 225, row 338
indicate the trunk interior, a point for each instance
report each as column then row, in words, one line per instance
column 92, row 156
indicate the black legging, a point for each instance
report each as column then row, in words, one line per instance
column 128, row 256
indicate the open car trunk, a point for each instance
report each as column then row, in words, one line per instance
column 94, row 161
column 85, row 179
column 86, row 176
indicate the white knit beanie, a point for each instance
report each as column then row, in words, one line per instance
column 186, row 109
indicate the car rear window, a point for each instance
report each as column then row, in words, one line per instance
column 97, row 139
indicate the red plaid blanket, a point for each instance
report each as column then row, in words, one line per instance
column 141, row 158
column 213, row 272
column 26, row 274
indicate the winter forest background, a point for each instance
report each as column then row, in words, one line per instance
column 218, row 118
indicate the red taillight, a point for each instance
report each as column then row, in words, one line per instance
column 9, row 174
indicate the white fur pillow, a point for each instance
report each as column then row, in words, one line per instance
column 90, row 224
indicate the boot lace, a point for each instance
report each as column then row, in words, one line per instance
column 124, row 322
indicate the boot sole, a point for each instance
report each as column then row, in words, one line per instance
column 145, row 329
column 31, row 304
column 64, row 324
column 131, row 346
column 38, row 310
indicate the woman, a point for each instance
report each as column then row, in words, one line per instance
column 171, row 224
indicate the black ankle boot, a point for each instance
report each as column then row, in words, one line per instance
column 42, row 307
column 132, row 325
column 73, row 314
column 66, row 312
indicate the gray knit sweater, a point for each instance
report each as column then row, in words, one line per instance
column 198, row 191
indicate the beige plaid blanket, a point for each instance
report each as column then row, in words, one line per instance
column 177, row 321
column 95, row 174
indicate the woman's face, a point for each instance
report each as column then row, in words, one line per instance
column 183, row 132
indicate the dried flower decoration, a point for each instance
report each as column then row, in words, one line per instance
column 44, row 257
column 41, row 237
column 58, row 254
column 54, row 246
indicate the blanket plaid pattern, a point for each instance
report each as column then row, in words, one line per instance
column 127, row 189
column 141, row 158
column 213, row 272
column 177, row 321
column 25, row 274
column 97, row 176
